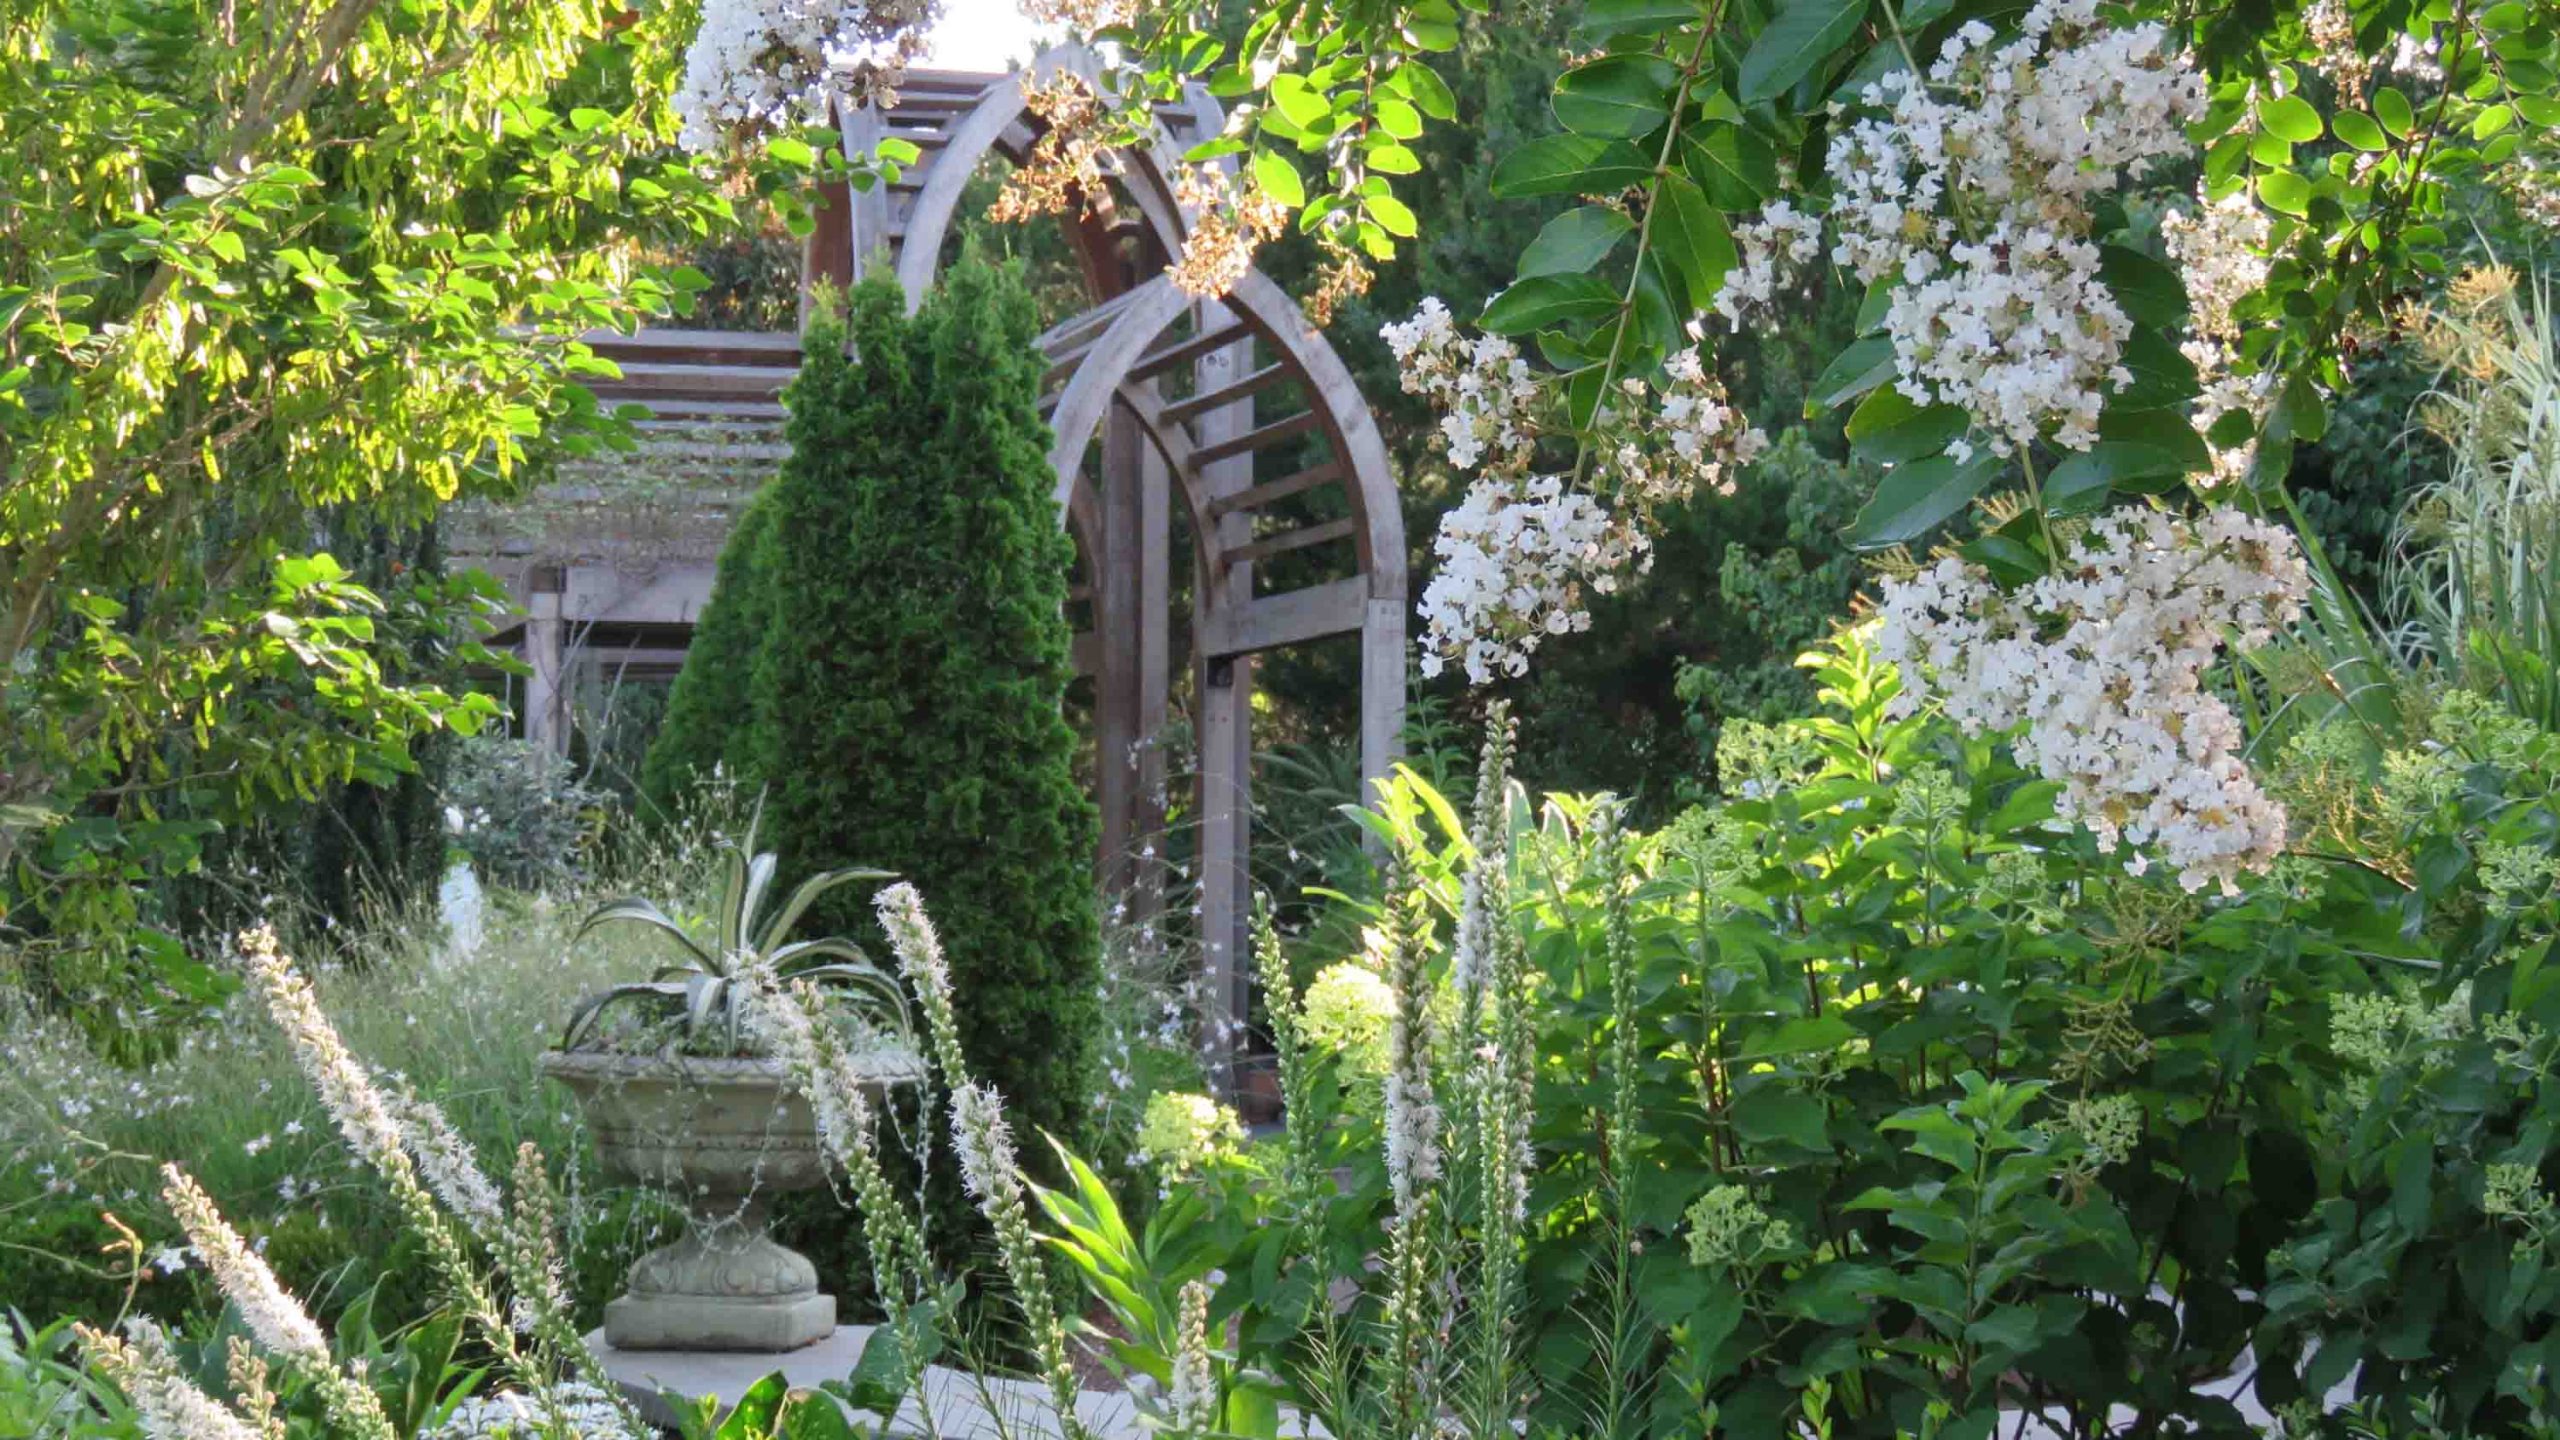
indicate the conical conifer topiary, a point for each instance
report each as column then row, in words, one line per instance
column 907, row 667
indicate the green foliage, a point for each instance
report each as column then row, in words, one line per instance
column 525, row 820
column 1933, row 1106
column 44, row 1394
column 904, row 691
column 262, row 263
column 690, row 1002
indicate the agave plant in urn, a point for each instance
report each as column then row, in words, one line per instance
column 679, row 1094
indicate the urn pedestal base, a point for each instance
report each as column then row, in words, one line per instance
column 705, row 1322
column 725, row 1286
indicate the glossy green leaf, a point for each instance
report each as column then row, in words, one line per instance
column 1536, row 301
column 1736, row 168
column 1862, row 367
column 1299, row 100
column 1889, row 428
column 2148, row 290
column 1278, row 178
column 1802, row 36
column 2392, row 109
column 1575, row 241
column 2360, row 130
column 1918, row 496
column 2081, row 483
column 2292, row 118
column 1617, row 96
column 2161, row 375
column 1569, row 165
column 1691, row 235
column 2284, row 191
column 1601, row 19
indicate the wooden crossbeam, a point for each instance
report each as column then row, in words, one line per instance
column 1255, row 439
column 1157, row 362
column 1280, row 489
column 1289, row 540
column 1225, row 395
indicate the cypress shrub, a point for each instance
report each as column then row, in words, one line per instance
column 906, row 666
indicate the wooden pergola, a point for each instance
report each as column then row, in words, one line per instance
column 1237, row 410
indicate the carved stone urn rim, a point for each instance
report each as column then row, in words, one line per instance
column 883, row 1066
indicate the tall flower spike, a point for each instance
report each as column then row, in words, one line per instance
column 1412, row 1111
column 1194, row 1393
column 920, row 960
column 168, row 1404
column 444, row 1160
column 276, row 1318
column 346, row 1087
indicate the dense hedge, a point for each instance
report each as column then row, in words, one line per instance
column 891, row 665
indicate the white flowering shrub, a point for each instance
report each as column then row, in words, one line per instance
column 764, row 65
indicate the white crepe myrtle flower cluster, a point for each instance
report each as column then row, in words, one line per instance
column 1520, row 553
column 1516, row 558
column 1972, row 191
column 1771, row 249
column 2099, row 669
column 2220, row 248
column 1668, row 444
column 1486, row 392
column 763, row 64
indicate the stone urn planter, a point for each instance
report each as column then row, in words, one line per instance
column 727, row 1136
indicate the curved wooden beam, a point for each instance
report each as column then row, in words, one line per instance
column 1146, row 172
column 1089, row 394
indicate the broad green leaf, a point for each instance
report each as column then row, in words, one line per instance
column 2291, row 117
column 2392, row 109
column 1770, row 1115
column 1601, row 19
column 2360, row 130
column 1429, row 93
column 1278, row 178
column 1575, row 241
column 1888, row 427
column 1617, row 96
column 1689, row 233
column 2161, row 375
column 1852, row 373
column 2285, row 191
column 1736, row 168
column 1393, row 214
column 1569, row 165
column 2081, row 482
column 1918, row 496
column 1802, row 36
column 2148, row 290
column 1299, row 100
column 1536, row 301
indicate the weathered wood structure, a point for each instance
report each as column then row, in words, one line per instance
column 1232, row 422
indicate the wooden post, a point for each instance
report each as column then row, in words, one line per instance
column 546, row 720
column 1225, row 728
column 1155, row 680
column 1381, row 693
column 1116, row 621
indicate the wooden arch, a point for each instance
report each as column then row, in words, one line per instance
column 1237, row 411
